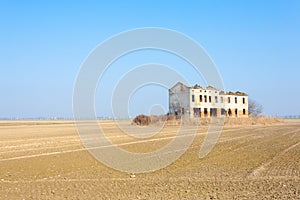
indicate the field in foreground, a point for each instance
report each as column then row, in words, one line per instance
column 45, row 160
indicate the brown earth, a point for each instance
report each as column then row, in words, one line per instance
column 45, row 160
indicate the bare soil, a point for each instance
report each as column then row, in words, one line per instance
column 46, row 160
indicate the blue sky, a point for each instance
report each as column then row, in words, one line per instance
column 254, row 44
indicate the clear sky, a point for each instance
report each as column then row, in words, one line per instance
column 254, row 44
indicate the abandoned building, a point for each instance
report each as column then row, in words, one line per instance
column 197, row 101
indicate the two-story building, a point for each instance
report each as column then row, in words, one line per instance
column 197, row 101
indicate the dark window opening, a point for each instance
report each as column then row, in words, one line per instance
column 213, row 112
column 216, row 99
column 243, row 100
column 205, row 98
column 209, row 98
column 235, row 99
column 229, row 112
column 223, row 111
column 197, row 112
column 193, row 98
column 244, row 111
column 228, row 99
column 205, row 112
column 236, row 112
column 200, row 98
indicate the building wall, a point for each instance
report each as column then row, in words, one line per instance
column 181, row 96
column 179, row 102
column 240, row 105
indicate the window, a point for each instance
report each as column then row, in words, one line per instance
column 244, row 111
column 229, row 112
column 223, row 111
column 197, row 112
column 205, row 112
column 243, row 100
column 236, row 112
column 235, row 99
column 193, row 98
column 216, row 99
column 209, row 98
column 205, row 98
column 222, row 100
column 200, row 98
column 213, row 112
column 228, row 99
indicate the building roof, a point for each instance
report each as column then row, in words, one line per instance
column 240, row 93
column 211, row 88
column 197, row 86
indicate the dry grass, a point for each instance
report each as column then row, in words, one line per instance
column 229, row 121
column 261, row 120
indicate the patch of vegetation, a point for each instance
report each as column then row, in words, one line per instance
column 142, row 120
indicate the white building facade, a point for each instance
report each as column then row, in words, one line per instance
column 197, row 101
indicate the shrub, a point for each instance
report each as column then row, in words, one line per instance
column 142, row 120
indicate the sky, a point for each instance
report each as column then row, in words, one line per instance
column 255, row 46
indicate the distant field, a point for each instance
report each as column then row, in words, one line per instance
column 46, row 160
